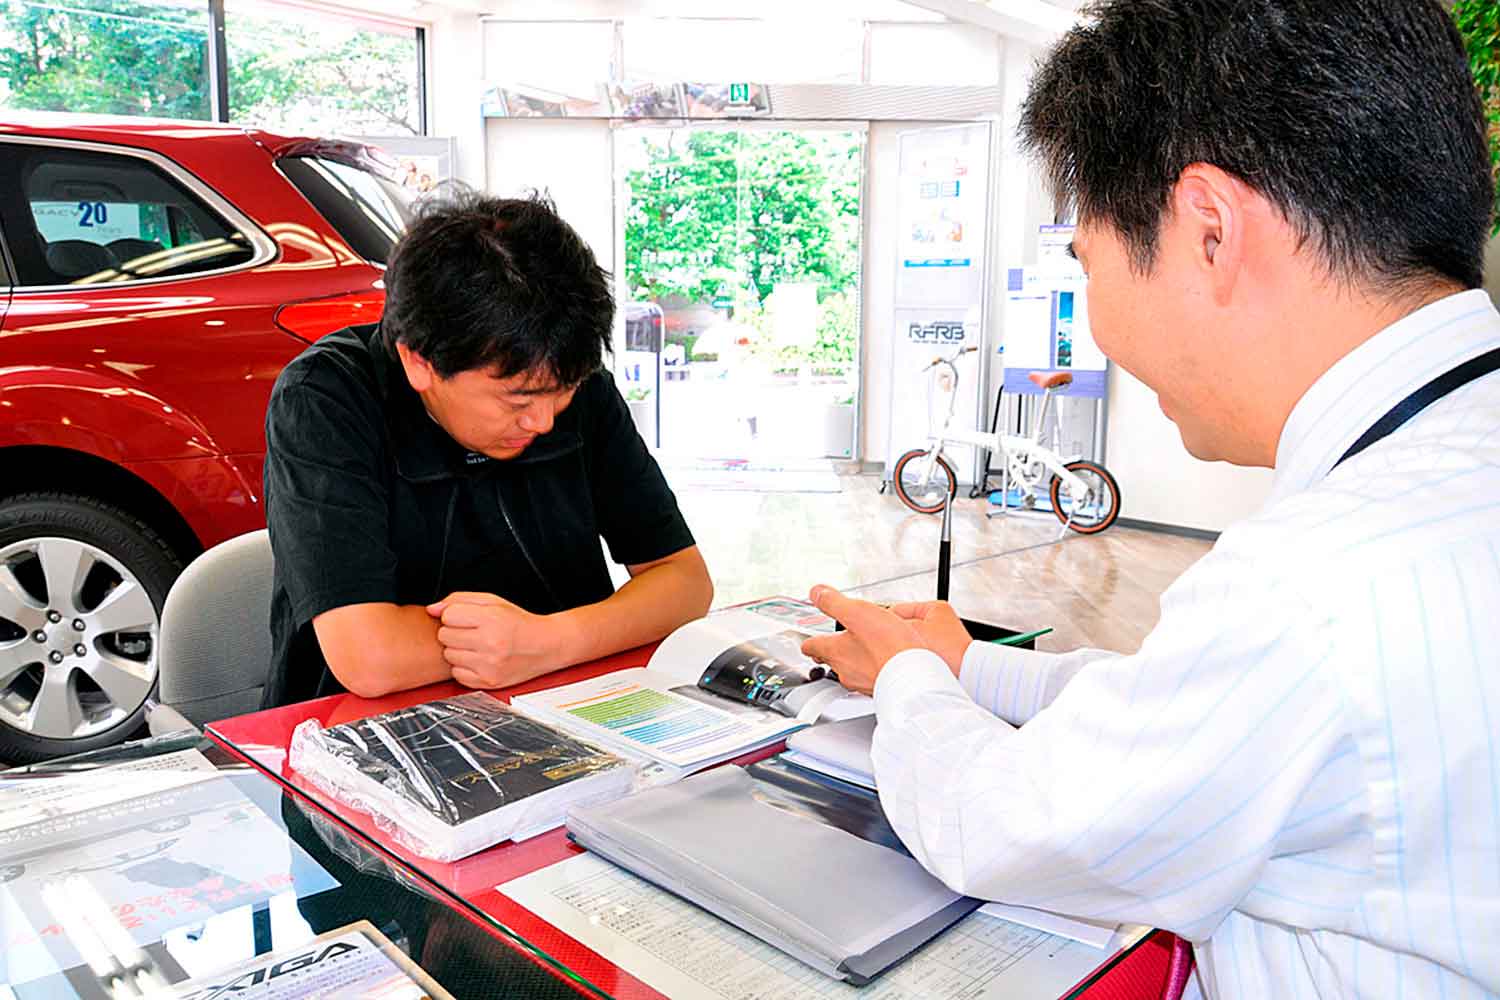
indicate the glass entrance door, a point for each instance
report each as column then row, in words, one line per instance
column 742, row 261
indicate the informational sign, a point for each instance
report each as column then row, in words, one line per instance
column 91, row 221
column 1047, row 330
column 422, row 161
column 940, row 274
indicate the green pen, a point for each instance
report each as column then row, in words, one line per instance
column 1016, row 640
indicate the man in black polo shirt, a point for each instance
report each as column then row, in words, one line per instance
column 437, row 485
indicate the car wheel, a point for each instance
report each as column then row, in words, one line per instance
column 82, row 584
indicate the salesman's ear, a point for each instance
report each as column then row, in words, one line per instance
column 418, row 371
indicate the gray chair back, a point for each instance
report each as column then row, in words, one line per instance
column 215, row 647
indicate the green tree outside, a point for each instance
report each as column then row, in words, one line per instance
column 1479, row 22
column 118, row 58
column 723, row 217
column 136, row 57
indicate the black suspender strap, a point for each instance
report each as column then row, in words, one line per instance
column 1424, row 397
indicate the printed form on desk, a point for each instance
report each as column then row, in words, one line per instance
column 680, row 950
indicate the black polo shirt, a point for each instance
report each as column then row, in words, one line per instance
column 369, row 500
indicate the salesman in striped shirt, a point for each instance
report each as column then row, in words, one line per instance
column 1282, row 207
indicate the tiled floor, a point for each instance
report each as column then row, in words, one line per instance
column 1096, row 591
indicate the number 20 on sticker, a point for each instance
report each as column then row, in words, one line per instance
column 92, row 213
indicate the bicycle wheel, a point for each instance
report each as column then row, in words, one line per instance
column 923, row 498
column 1094, row 512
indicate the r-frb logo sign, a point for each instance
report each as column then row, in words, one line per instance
column 935, row 333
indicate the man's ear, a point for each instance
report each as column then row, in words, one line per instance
column 418, row 372
column 1209, row 206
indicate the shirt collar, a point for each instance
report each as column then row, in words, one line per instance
column 1370, row 380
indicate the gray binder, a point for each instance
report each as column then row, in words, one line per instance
column 810, row 867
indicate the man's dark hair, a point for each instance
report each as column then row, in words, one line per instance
column 1358, row 119
column 501, row 284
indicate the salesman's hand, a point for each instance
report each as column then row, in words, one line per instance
column 490, row 642
column 940, row 628
column 874, row 635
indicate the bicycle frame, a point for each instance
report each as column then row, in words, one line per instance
column 1024, row 459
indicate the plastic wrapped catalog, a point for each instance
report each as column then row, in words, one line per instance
column 451, row 777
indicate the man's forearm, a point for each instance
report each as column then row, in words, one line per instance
column 375, row 649
column 649, row 606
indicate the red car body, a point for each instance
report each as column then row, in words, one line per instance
column 167, row 383
column 149, row 396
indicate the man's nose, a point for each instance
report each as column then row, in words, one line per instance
column 538, row 417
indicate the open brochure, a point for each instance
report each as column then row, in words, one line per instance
column 714, row 689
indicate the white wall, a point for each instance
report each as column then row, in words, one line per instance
column 569, row 159
column 455, row 74
column 1159, row 480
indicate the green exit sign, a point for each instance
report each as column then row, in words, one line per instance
column 739, row 93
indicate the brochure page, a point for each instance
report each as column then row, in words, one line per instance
column 642, row 712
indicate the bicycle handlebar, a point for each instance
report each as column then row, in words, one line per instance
column 956, row 355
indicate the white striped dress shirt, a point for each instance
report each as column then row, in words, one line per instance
column 1298, row 771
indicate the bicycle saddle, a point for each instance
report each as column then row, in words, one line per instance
column 1056, row 380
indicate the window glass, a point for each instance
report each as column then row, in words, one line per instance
column 99, row 218
column 368, row 210
column 302, row 72
column 127, row 57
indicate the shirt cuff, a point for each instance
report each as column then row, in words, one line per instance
column 909, row 675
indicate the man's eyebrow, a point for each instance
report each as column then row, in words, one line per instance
column 539, row 389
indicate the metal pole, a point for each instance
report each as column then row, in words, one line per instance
column 421, row 81
column 218, row 63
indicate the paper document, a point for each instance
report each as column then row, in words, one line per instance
column 1094, row 933
column 838, row 749
column 680, row 950
column 640, row 712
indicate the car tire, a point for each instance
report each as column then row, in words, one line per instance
column 77, row 665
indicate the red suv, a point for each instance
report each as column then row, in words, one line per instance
column 154, row 279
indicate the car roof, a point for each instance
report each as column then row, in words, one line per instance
column 130, row 130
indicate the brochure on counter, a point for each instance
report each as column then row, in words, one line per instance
column 451, row 777
column 874, row 905
column 716, row 688
column 355, row 962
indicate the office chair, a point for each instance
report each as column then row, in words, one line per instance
column 215, row 644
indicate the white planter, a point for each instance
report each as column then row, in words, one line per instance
column 838, row 430
column 643, row 415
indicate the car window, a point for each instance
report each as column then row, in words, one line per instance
column 87, row 218
column 369, row 211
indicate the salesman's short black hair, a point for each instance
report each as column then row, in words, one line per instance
column 1358, row 119
column 498, row 284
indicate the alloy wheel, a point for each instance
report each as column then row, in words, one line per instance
column 78, row 639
